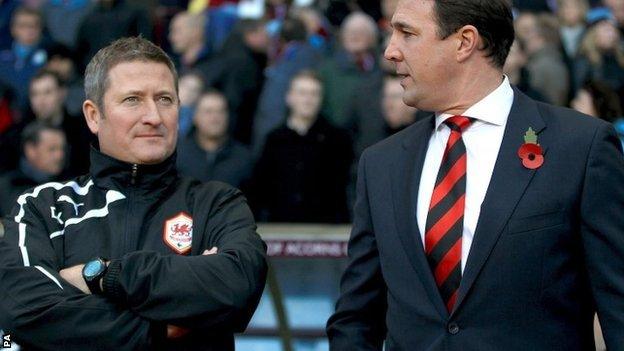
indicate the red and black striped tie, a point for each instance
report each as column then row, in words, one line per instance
column 445, row 220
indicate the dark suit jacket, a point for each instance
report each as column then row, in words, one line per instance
column 548, row 249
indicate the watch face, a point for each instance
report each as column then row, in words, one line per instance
column 93, row 268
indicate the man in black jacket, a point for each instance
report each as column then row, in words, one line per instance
column 43, row 157
column 130, row 256
column 303, row 171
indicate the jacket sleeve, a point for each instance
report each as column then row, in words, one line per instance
column 219, row 291
column 45, row 312
column 602, row 230
column 359, row 320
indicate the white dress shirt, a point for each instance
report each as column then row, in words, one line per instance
column 482, row 139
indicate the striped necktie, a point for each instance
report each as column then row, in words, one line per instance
column 445, row 219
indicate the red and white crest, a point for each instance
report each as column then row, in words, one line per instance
column 178, row 233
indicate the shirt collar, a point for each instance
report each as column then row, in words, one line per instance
column 492, row 109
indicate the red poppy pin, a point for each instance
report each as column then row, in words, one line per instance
column 530, row 152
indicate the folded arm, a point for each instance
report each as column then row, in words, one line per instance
column 44, row 311
column 219, row 290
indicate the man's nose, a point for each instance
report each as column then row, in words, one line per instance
column 152, row 113
column 392, row 53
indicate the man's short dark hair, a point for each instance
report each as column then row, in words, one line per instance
column 48, row 73
column 31, row 135
column 120, row 51
column 27, row 11
column 492, row 18
column 214, row 92
column 307, row 74
column 293, row 29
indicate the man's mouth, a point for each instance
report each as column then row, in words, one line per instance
column 404, row 78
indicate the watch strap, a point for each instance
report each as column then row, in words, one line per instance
column 110, row 282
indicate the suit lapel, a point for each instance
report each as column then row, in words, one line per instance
column 405, row 184
column 508, row 183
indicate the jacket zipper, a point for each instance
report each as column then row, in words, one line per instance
column 129, row 208
column 135, row 170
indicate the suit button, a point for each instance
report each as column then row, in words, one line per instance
column 453, row 328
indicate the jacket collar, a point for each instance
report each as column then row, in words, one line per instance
column 108, row 172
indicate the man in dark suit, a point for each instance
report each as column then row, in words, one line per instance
column 495, row 224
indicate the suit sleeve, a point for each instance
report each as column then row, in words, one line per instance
column 219, row 291
column 45, row 312
column 602, row 229
column 359, row 320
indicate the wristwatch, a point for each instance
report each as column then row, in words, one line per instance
column 93, row 272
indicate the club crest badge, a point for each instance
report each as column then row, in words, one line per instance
column 178, row 233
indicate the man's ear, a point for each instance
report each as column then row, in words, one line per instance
column 29, row 151
column 469, row 41
column 92, row 114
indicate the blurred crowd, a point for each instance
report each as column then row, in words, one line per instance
column 277, row 97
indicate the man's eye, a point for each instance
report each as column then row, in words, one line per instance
column 131, row 99
column 166, row 99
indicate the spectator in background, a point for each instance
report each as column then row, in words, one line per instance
column 617, row 8
column 547, row 71
column 379, row 115
column 47, row 94
column 597, row 99
column 221, row 17
column 238, row 71
column 316, row 25
column 275, row 12
column 303, row 172
column 190, row 88
column 515, row 69
column 107, row 21
column 27, row 54
column 208, row 153
column 396, row 114
column 571, row 14
column 63, row 17
column 6, row 12
column 296, row 55
column 353, row 65
column 601, row 56
column 42, row 161
column 62, row 61
column 365, row 122
column 186, row 36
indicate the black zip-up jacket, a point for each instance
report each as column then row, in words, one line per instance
column 153, row 226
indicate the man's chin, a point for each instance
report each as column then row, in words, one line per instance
column 409, row 99
column 153, row 157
